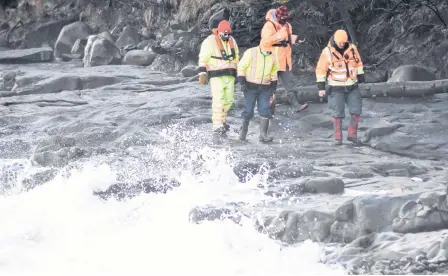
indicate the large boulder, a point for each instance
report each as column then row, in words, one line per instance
column 46, row 34
column 292, row 227
column 69, row 35
column 139, row 57
column 411, row 73
column 100, row 50
column 366, row 214
column 129, row 36
column 428, row 213
column 79, row 47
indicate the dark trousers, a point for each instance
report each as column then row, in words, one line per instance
column 260, row 94
column 340, row 96
column 287, row 80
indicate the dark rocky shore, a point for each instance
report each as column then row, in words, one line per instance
column 78, row 91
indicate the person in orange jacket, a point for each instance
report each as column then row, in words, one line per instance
column 279, row 33
column 340, row 67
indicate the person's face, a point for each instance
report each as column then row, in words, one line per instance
column 224, row 36
column 340, row 45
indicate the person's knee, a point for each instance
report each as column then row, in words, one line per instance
column 355, row 108
column 355, row 104
column 336, row 104
column 265, row 109
column 248, row 114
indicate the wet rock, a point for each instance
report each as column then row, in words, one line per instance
column 68, row 36
column 9, row 79
column 376, row 76
column 211, row 213
column 245, row 170
column 79, row 47
column 59, row 158
column 314, row 225
column 291, row 227
column 329, row 185
column 100, row 51
column 146, row 33
column 47, row 33
column 411, row 73
column 139, row 57
column 189, row 71
column 129, row 36
column 39, row 178
column 123, row 190
column 285, row 170
column 92, row 82
column 397, row 169
column 366, row 214
column 52, row 85
column 30, row 55
column 380, row 130
column 175, row 25
column 169, row 41
column 428, row 213
column 145, row 45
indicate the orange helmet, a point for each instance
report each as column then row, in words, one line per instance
column 224, row 26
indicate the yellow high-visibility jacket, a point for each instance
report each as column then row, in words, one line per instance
column 258, row 68
column 218, row 61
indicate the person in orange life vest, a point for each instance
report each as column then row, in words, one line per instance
column 218, row 60
column 257, row 74
column 340, row 67
column 279, row 32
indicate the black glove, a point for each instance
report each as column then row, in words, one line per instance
column 242, row 81
column 321, row 85
column 273, row 86
column 361, row 78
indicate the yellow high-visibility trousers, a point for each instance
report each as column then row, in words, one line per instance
column 223, row 91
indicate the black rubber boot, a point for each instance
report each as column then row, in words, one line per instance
column 294, row 100
column 264, row 125
column 243, row 130
column 219, row 135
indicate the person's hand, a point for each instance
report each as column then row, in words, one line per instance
column 321, row 93
column 203, row 78
column 272, row 100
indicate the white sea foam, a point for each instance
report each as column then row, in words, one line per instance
column 62, row 228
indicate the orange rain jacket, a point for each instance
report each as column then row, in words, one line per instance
column 339, row 70
column 275, row 33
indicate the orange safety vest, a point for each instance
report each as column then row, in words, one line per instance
column 221, row 49
column 337, row 69
column 221, row 62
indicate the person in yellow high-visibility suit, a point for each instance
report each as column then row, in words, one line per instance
column 218, row 61
column 257, row 74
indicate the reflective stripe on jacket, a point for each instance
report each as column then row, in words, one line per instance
column 211, row 59
column 258, row 68
column 339, row 70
